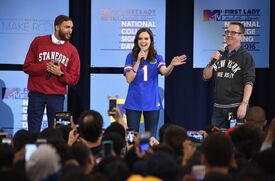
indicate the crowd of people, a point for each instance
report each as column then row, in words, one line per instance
column 86, row 151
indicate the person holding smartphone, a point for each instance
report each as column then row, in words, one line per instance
column 141, row 71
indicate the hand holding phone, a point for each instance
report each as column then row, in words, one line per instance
column 63, row 118
column 197, row 135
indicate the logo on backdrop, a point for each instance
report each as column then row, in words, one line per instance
column 212, row 15
column 231, row 15
column 249, row 17
column 130, row 22
column 25, row 26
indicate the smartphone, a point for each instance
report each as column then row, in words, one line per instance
column 29, row 149
column 107, row 147
column 112, row 104
column 130, row 136
column 6, row 141
column 196, row 135
column 144, row 139
column 63, row 118
column 232, row 121
column 77, row 128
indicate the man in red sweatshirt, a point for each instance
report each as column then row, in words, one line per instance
column 52, row 63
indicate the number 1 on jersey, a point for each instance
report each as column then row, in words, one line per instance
column 145, row 73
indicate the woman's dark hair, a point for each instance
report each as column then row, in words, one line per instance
column 152, row 52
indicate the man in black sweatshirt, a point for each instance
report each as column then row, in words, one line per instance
column 233, row 72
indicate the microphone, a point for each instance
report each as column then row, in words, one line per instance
column 49, row 74
column 213, row 60
column 142, row 58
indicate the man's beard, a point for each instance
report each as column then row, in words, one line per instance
column 63, row 36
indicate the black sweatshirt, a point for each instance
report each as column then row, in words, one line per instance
column 230, row 75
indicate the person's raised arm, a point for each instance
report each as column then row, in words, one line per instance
column 178, row 60
column 119, row 118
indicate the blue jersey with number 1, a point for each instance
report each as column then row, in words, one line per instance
column 143, row 94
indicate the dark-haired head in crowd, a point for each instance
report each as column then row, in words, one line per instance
column 174, row 137
column 217, row 153
column 6, row 157
column 116, row 127
column 247, row 140
column 90, row 129
column 164, row 166
column 20, row 139
column 73, row 172
column 162, row 131
column 114, row 168
column 82, row 154
column 118, row 141
column 50, row 134
column 55, row 138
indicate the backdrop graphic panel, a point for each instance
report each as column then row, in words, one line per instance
column 114, row 24
column 14, row 102
column 211, row 18
column 21, row 21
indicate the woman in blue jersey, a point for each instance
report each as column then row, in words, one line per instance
column 141, row 71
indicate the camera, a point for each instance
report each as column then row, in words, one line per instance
column 195, row 135
column 130, row 136
column 63, row 118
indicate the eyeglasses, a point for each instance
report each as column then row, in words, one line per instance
column 233, row 33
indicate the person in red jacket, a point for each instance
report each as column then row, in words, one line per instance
column 52, row 63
